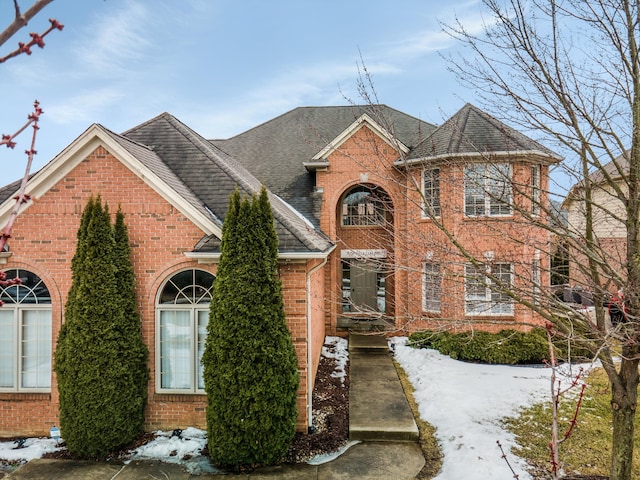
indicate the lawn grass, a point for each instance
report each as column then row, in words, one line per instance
column 428, row 442
column 588, row 450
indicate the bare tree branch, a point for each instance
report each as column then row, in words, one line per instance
column 21, row 20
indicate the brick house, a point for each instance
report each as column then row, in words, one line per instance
column 359, row 195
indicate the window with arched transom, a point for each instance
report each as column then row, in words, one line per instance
column 25, row 334
column 365, row 205
column 182, row 313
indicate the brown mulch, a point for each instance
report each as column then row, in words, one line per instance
column 330, row 416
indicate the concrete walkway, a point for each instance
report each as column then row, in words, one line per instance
column 378, row 408
column 379, row 416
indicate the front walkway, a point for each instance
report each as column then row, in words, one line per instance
column 378, row 408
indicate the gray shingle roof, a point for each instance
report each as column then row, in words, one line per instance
column 472, row 131
column 9, row 190
column 275, row 151
column 187, row 161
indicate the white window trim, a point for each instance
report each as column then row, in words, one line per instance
column 487, row 295
column 193, row 309
column 486, row 196
column 437, row 207
column 536, row 278
column 536, row 175
column 193, row 327
column 425, row 284
column 18, row 310
column 18, row 318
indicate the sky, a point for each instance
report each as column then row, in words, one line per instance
column 480, row 395
column 221, row 66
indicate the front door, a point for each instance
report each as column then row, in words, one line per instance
column 364, row 286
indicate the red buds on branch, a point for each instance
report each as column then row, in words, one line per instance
column 21, row 197
column 36, row 40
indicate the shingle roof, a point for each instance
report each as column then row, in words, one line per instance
column 9, row 190
column 472, row 131
column 275, row 151
column 189, row 162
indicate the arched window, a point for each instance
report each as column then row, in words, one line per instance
column 365, row 206
column 182, row 318
column 25, row 334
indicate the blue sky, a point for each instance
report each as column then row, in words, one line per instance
column 222, row 66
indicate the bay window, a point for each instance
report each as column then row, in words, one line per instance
column 487, row 190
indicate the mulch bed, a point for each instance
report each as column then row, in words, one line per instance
column 330, row 416
column 329, row 432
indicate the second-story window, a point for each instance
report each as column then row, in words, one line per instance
column 535, row 189
column 365, row 206
column 431, row 192
column 488, row 190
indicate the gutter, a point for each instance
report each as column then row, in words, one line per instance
column 214, row 257
column 309, row 343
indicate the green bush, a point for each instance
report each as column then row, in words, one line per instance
column 505, row 347
column 100, row 357
column 250, row 364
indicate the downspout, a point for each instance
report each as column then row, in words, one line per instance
column 309, row 343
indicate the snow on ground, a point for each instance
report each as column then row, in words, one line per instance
column 465, row 402
column 338, row 349
column 32, row 448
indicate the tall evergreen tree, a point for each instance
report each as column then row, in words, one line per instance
column 99, row 361
column 134, row 353
column 250, row 365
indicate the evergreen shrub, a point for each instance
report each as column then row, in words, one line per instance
column 508, row 347
column 101, row 358
column 250, row 364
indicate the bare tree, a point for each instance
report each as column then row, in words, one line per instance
column 20, row 20
column 568, row 71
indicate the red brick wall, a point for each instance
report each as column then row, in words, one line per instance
column 366, row 158
column 44, row 241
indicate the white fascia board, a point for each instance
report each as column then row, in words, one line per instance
column 211, row 257
column 94, row 137
column 364, row 119
column 549, row 159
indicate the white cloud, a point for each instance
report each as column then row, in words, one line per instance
column 83, row 106
column 115, row 40
column 433, row 38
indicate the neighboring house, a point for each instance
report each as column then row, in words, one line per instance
column 608, row 225
column 357, row 194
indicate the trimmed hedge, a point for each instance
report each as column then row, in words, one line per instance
column 509, row 347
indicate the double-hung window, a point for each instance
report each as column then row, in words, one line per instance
column 486, row 287
column 431, row 287
column 182, row 316
column 488, row 190
column 25, row 334
column 431, row 192
column 535, row 189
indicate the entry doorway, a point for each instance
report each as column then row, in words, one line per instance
column 363, row 286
